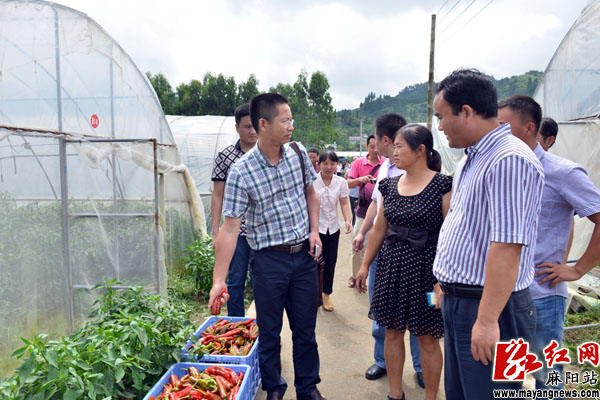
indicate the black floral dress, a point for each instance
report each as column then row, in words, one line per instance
column 405, row 266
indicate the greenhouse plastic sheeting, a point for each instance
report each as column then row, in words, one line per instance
column 200, row 139
column 570, row 87
column 94, row 189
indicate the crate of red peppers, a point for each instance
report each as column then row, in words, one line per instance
column 203, row 382
column 227, row 340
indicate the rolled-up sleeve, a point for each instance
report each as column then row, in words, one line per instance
column 235, row 200
column 581, row 193
column 513, row 190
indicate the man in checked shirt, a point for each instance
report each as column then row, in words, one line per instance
column 484, row 260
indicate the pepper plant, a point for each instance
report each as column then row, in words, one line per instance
column 131, row 339
column 200, row 263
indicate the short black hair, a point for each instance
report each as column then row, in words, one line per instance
column 371, row 136
column 548, row 128
column 265, row 106
column 241, row 112
column 313, row 150
column 388, row 125
column 328, row 155
column 472, row 88
column 525, row 107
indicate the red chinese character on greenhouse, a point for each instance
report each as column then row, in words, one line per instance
column 95, row 121
column 560, row 356
column 513, row 361
column 589, row 352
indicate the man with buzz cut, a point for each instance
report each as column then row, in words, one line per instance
column 238, row 269
column 484, row 260
column 272, row 187
column 568, row 190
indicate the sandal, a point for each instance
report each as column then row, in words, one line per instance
column 351, row 282
column 327, row 306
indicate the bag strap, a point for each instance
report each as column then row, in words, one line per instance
column 295, row 147
column 362, row 185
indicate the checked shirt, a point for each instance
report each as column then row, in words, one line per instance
column 225, row 159
column 270, row 197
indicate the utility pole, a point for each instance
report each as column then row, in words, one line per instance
column 430, row 86
column 360, row 142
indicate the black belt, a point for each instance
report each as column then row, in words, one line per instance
column 462, row 290
column 416, row 237
column 289, row 248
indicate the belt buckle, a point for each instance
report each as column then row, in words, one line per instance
column 296, row 248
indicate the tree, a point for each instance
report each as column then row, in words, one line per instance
column 164, row 92
column 189, row 97
column 247, row 90
column 219, row 95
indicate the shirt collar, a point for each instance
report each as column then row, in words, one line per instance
column 237, row 145
column 263, row 160
column 366, row 160
column 489, row 140
column 539, row 151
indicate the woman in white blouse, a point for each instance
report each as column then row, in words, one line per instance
column 331, row 189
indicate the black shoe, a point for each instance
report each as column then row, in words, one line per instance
column 315, row 395
column 420, row 380
column 401, row 398
column 375, row 372
column 274, row 396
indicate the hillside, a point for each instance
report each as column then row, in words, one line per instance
column 412, row 103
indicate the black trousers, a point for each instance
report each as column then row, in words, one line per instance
column 330, row 242
column 352, row 205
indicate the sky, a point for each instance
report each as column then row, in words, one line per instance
column 362, row 46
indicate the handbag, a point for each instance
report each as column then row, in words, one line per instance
column 320, row 261
column 363, row 202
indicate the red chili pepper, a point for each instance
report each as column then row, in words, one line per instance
column 234, row 378
column 193, row 371
column 247, row 322
column 223, row 385
column 230, row 333
column 211, row 396
column 174, row 381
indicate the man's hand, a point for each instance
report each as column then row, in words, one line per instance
column 214, row 237
column 218, row 294
column 348, row 227
column 358, row 242
column 557, row 273
column 361, row 279
column 315, row 239
column 484, row 336
column 365, row 179
column 439, row 295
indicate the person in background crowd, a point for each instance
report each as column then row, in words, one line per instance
column 567, row 190
column 361, row 178
column 313, row 153
column 547, row 133
column 282, row 217
column 331, row 189
column 238, row 269
column 386, row 126
column 414, row 204
column 353, row 193
column 484, row 261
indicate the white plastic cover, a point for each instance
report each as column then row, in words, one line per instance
column 129, row 210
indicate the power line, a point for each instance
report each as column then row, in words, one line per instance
column 454, row 20
column 446, row 2
column 466, row 23
column 448, row 12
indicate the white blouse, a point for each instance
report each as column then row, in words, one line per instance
column 328, row 200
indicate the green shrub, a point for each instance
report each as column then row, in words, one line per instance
column 200, row 263
column 132, row 339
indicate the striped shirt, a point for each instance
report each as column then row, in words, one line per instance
column 270, row 197
column 496, row 197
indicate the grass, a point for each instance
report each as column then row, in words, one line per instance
column 574, row 338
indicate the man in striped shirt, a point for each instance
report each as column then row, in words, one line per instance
column 484, row 260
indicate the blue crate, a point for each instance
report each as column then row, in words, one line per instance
column 250, row 360
column 180, row 369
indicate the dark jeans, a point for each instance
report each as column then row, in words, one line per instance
column 330, row 242
column 286, row 281
column 236, row 278
column 465, row 378
column 352, row 205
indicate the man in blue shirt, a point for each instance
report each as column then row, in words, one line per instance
column 485, row 248
column 281, row 210
column 567, row 190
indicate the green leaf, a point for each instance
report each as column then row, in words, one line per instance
column 119, row 374
column 91, row 390
column 19, row 352
column 26, row 368
column 71, row 394
column 51, row 357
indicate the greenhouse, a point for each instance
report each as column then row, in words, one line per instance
column 91, row 184
column 199, row 140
